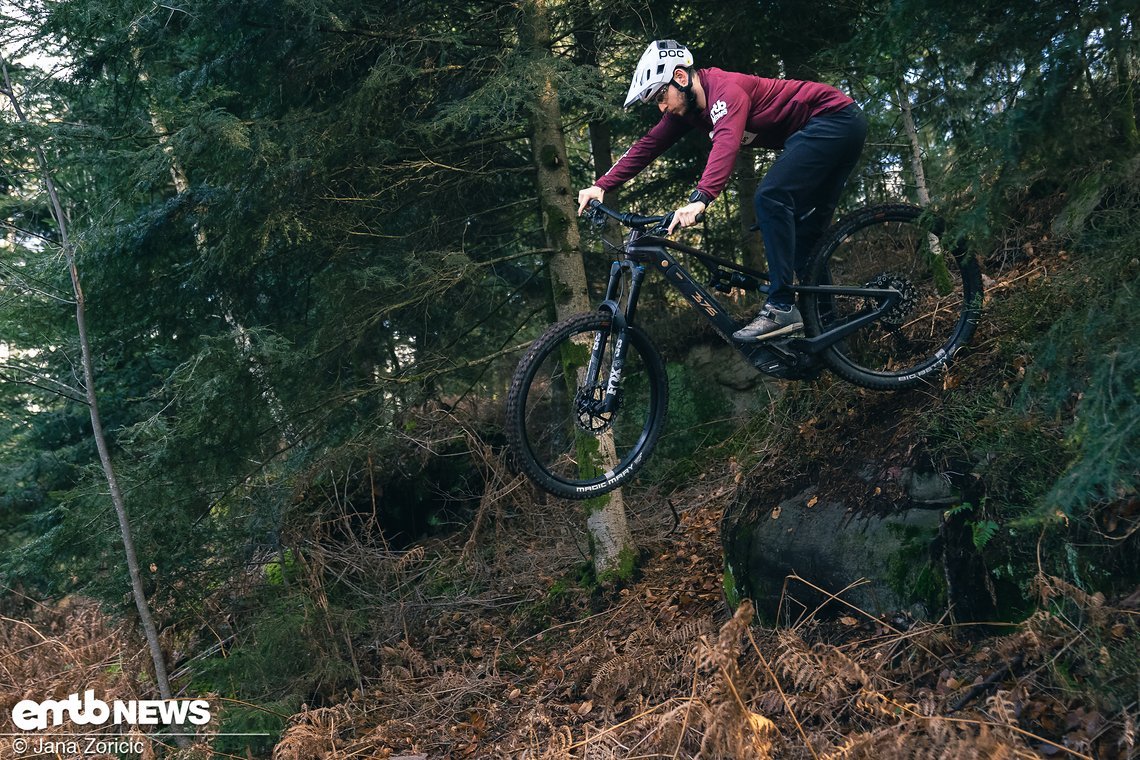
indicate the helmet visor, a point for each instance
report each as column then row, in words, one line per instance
column 655, row 94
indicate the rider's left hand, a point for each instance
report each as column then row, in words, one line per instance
column 687, row 215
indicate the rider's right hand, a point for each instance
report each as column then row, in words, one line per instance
column 592, row 193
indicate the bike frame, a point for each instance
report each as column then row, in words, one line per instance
column 788, row 358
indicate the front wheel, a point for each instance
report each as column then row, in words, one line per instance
column 940, row 285
column 562, row 434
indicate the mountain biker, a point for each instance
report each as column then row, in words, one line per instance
column 820, row 130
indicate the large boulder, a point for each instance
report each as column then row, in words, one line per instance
column 790, row 556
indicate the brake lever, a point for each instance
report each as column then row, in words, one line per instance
column 595, row 217
column 662, row 228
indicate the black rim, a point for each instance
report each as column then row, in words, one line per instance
column 935, row 316
column 549, row 412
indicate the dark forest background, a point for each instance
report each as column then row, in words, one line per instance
column 311, row 245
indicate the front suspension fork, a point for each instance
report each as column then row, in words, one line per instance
column 621, row 318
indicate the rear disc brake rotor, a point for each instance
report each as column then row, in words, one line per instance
column 898, row 314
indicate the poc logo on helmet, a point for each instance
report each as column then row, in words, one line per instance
column 671, row 54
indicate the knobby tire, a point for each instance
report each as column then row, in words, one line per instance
column 543, row 423
column 895, row 246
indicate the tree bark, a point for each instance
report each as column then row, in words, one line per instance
column 915, row 147
column 611, row 538
column 146, row 620
column 747, row 180
column 921, row 188
column 1125, row 110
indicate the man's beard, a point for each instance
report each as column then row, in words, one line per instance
column 690, row 102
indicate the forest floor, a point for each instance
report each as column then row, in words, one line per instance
column 507, row 648
column 494, row 642
column 529, row 661
column 534, row 664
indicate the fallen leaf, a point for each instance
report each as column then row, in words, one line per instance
column 812, row 502
column 585, row 707
column 760, row 724
column 848, row 620
column 776, row 513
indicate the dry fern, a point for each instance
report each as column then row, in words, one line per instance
column 312, row 734
column 649, row 655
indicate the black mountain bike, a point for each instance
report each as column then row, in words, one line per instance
column 887, row 305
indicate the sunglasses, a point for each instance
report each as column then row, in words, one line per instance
column 659, row 96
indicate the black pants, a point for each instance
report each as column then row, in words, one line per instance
column 798, row 195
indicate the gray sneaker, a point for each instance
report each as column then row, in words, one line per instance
column 771, row 323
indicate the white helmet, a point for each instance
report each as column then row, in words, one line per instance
column 656, row 68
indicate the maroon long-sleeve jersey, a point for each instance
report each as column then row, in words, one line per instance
column 743, row 110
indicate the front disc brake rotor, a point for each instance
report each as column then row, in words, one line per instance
column 589, row 415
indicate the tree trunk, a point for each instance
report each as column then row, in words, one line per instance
column 611, row 539
column 601, row 137
column 242, row 338
column 747, row 180
column 1125, row 110
column 921, row 188
column 150, row 631
column 915, row 147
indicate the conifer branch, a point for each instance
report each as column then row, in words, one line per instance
column 36, row 380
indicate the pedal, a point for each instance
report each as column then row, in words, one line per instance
column 780, row 346
column 780, row 358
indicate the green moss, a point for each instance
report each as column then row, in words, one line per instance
column 623, row 570
column 731, row 593
column 943, row 280
column 912, row 572
column 574, row 355
column 595, row 503
column 276, row 573
column 548, row 156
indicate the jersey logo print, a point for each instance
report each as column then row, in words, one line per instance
column 718, row 110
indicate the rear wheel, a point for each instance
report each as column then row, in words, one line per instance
column 559, row 429
column 900, row 247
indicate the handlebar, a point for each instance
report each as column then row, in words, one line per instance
column 636, row 221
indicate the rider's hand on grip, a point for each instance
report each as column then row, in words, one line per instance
column 688, row 215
